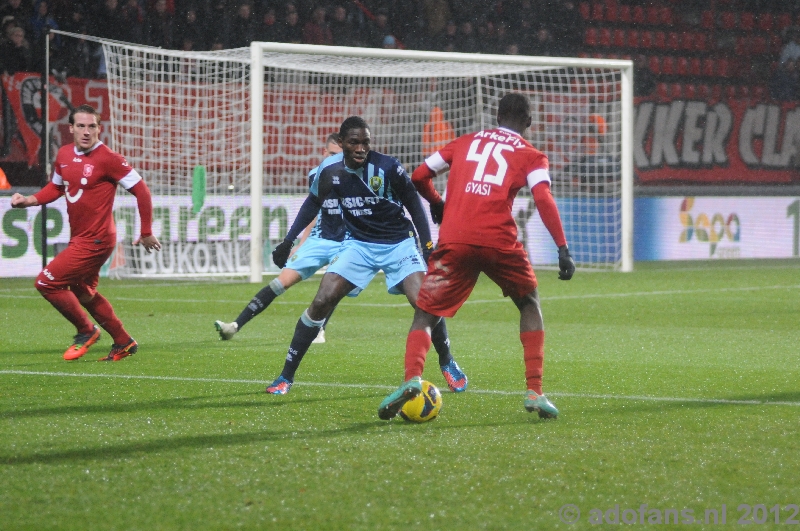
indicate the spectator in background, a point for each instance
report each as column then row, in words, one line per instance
column 379, row 29
column 448, row 39
column 75, row 19
column 270, row 29
column 436, row 13
column 467, row 40
column 292, row 31
column 159, row 26
column 644, row 81
column 785, row 83
column 316, row 30
column 108, row 22
column 390, row 43
column 566, row 25
column 343, row 29
column 791, row 50
column 542, row 43
column 503, row 40
column 80, row 56
column 132, row 16
column 39, row 24
column 243, row 27
column 189, row 28
column 15, row 52
column 20, row 12
column 406, row 21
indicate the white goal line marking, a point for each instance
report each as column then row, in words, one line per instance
column 470, row 301
column 637, row 398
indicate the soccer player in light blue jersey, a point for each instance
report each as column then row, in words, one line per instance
column 372, row 190
column 319, row 244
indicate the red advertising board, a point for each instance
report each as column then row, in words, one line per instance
column 720, row 143
column 675, row 142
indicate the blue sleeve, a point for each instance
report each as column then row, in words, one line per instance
column 308, row 211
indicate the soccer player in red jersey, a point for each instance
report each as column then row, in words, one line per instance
column 87, row 173
column 478, row 234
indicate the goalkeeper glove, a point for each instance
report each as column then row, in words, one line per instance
column 281, row 253
column 437, row 212
column 566, row 265
column 427, row 250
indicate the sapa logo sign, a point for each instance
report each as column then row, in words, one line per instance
column 712, row 229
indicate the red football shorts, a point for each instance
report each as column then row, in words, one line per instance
column 453, row 270
column 77, row 267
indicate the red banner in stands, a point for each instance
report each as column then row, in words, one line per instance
column 675, row 142
column 725, row 142
column 23, row 91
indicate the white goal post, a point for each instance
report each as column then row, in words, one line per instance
column 225, row 140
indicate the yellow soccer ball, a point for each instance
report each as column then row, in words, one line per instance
column 425, row 406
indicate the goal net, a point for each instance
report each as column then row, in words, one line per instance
column 225, row 141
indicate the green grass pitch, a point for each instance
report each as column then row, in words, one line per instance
column 678, row 385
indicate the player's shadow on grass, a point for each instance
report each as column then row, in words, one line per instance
column 789, row 398
column 201, row 402
column 116, row 451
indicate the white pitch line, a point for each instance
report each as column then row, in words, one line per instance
column 635, row 398
column 475, row 301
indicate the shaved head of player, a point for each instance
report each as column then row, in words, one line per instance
column 355, row 137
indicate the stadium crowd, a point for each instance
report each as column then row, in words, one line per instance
column 530, row 27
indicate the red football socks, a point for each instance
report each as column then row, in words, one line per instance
column 417, row 345
column 533, row 352
column 67, row 304
column 103, row 313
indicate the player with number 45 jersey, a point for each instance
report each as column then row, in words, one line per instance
column 478, row 234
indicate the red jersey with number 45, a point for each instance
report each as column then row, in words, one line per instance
column 487, row 169
column 90, row 182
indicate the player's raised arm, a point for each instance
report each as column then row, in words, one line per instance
column 48, row 194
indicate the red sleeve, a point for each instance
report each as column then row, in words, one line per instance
column 49, row 193
column 423, row 182
column 548, row 211
column 145, row 204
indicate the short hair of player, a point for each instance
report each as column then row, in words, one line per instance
column 84, row 109
column 513, row 107
column 353, row 122
column 333, row 138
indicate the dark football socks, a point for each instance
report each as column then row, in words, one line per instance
column 260, row 301
column 441, row 342
column 304, row 333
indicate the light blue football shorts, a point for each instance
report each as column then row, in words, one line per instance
column 312, row 255
column 359, row 262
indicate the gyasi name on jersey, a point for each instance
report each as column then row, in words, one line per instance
column 499, row 137
column 355, row 202
column 478, row 188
